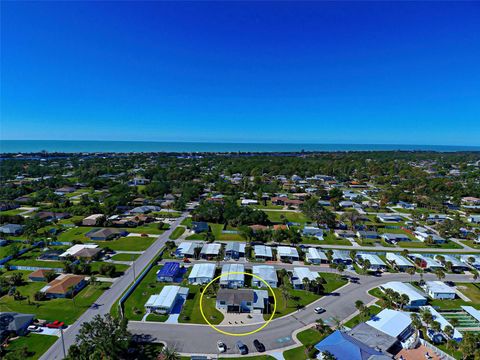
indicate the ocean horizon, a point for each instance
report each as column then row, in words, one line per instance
column 92, row 146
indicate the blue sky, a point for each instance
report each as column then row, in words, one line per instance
column 326, row 72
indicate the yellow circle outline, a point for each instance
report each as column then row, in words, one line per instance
column 246, row 333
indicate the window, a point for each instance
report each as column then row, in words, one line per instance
column 249, row 303
column 222, row 302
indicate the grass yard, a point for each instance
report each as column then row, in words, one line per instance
column 300, row 297
column 357, row 319
column 119, row 268
column 12, row 212
column 421, row 244
column 151, row 228
column 157, row 317
column 328, row 239
column 35, row 344
column 125, row 257
column 128, row 243
column 30, row 259
column 472, row 291
column 8, row 249
column 191, row 308
column 67, row 310
column 334, row 281
column 308, row 338
column 179, row 230
column 289, row 216
column 217, row 232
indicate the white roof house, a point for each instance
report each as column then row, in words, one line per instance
column 76, row 248
column 443, row 322
column 164, row 302
column 439, row 290
column 300, row 273
column 315, row 256
column 375, row 261
column 399, row 260
column 267, row 273
column 249, row 202
column 232, row 280
column 476, row 260
column 201, row 273
column 394, row 323
column 416, row 297
column 187, row 248
column 212, row 249
column 456, row 263
column 287, row 252
column 263, row 252
column 426, row 262
column 313, row 231
column 341, row 256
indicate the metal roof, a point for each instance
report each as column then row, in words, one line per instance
column 167, row 296
column 374, row 259
column 229, row 268
column 287, row 251
column 262, row 250
column 390, row 322
column 438, row 287
column 202, row 271
column 211, row 249
column 303, row 272
column 235, row 246
column 405, row 288
column 443, row 322
column 169, row 269
column 266, row 272
column 314, row 253
column 399, row 259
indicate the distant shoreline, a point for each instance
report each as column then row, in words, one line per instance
column 96, row 146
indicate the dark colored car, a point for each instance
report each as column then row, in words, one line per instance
column 258, row 345
column 242, row 348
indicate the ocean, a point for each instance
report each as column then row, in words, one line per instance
column 29, row 146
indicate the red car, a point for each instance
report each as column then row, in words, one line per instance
column 186, row 260
column 56, row 324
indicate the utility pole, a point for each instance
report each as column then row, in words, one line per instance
column 63, row 343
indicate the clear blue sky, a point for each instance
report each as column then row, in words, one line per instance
column 391, row 73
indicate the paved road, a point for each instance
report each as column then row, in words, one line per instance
column 201, row 339
column 110, row 296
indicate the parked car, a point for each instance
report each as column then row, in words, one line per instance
column 258, row 345
column 242, row 348
column 186, row 260
column 319, row 310
column 56, row 324
column 221, row 347
column 34, row 328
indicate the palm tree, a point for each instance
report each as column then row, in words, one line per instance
column 440, row 274
column 168, row 354
column 306, row 283
column 285, row 293
column 448, row 331
column 411, row 271
column 351, row 217
column 416, row 322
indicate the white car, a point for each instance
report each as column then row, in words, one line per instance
column 221, row 347
column 34, row 328
column 319, row 310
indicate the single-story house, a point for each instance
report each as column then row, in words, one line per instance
column 13, row 323
column 362, row 234
column 375, row 262
column 11, row 229
column 423, row 235
column 345, row 347
column 263, row 252
column 439, row 290
column 105, row 234
column 64, row 190
column 456, row 263
column 267, row 273
column 398, row 261
column 241, row 300
column 300, row 273
column 287, row 253
column 164, row 302
column 394, row 238
column 375, row 338
column 65, row 285
column 389, row 218
column 475, row 219
column 246, row 202
column 210, row 251
column 199, row 226
column 145, row 209
column 235, row 249
column 339, row 256
column 187, row 249
column 425, row 262
column 316, row 256
column 313, row 231
column 471, row 260
column 438, row 218
column 52, row 216
column 397, row 324
column 344, row 233
column 201, row 274
column 85, row 251
column 407, row 205
column 232, row 276
column 457, row 336
column 415, row 296
column 40, row 275
column 92, row 220
column 169, row 272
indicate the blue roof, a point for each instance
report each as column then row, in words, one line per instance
column 345, row 347
column 169, row 269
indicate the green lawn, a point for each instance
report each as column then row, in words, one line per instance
column 12, row 212
column 78, row 233
column 151, row 228
column 129, row 243
column 157, row 317
column 472, row 291
column 217, row 232
column 289, row 216
column 334, row 281
column 125, row 257
column 374, row 309
column 421, row 244
column 308, row 338
column 67, row 310
column 8, row 249
column 328, row 239
column 191, row 309
column 35, row 344
column 177, row 232
column 299, row 297
column 119, row 268
column 30, row 259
